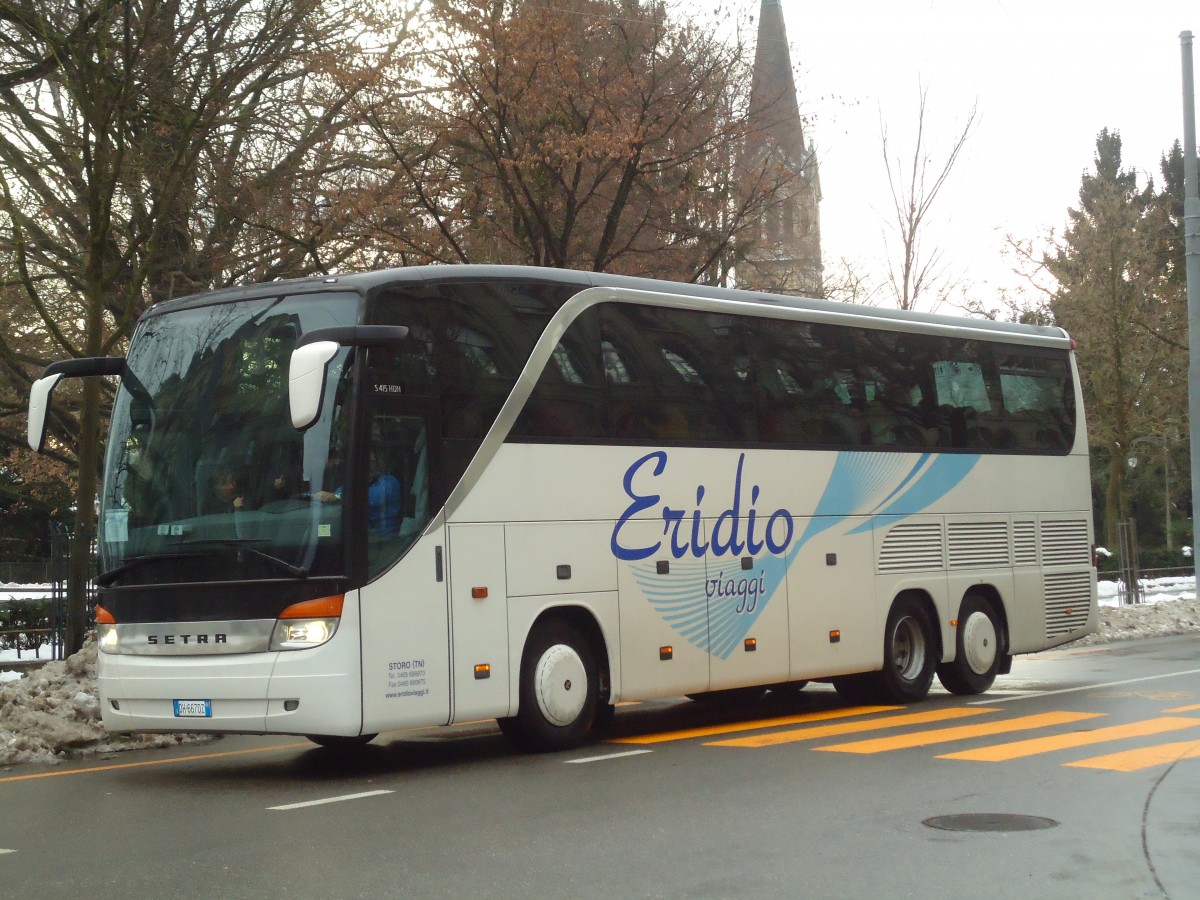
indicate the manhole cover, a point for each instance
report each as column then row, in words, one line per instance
column 990, row 822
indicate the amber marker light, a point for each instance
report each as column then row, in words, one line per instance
column 323, row 607
column 478, row 593
column 665, row 653
column 835, row 636
column 483, row 670
column 751, row 645
column 307, row 624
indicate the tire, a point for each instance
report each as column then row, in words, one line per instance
column 909, row 652
column 978, row 649
column 341, row 742
column 559, row 693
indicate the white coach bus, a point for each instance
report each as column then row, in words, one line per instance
column 339, row 506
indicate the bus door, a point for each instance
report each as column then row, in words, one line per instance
column 483, row 675
column 405, row 614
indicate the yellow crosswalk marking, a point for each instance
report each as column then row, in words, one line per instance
column 753, row 724
column 822, row 731
column 1143, row 758
column 1034, row 746
column 958, row 733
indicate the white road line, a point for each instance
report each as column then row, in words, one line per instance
column 332, row 800
column 1087, row 687
column 590, row 759
column 7, row 851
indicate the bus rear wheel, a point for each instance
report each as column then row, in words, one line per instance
column 558, row 694
column 909, row 652
column 977, row 649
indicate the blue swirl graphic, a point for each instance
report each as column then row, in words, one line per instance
column 713, row 603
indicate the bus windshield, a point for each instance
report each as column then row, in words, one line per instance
column 205, row 478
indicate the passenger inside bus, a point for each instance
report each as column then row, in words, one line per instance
column 385, row 499
column 228, row 492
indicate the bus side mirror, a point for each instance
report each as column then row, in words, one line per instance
column 309, row 367
column 307, row 374
column 39, row 408
column 40, row 390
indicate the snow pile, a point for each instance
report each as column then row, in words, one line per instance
column 1169, row 606
column 53, row 714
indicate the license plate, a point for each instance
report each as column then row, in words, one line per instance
column 193, row 709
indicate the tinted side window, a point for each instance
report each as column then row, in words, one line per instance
column 1039, row 398
column 961, row 380
column 898, row 411
column 628, row 373
column 675, row 376
column 567, row 402
column 805, row 383
column 467, row 345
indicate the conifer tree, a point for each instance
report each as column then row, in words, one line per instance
column 1118, row 298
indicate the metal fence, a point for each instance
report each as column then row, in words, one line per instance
column 24, row 571
column 40, row 617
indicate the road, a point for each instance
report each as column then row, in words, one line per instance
column 1100, row 746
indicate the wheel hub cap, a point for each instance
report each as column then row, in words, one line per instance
column 979, row 642
column 560, row 684
column 908, row 648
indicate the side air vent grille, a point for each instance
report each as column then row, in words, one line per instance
column 1068, row 600
column 1024, row 543
column 978, row 545
column 1065, row 543
column 912, row 547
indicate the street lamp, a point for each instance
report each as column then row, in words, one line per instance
column 1165, row 443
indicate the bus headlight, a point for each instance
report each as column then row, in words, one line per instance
column 106, row 630
column 299, row 634
column 307, row 624
column 106, row 638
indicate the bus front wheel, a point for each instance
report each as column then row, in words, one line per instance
column 558, row 693
column 977, row 649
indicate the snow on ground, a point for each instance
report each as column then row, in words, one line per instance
column 52, row 714
column 1169, row 606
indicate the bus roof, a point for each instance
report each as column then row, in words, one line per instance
column 365, row 282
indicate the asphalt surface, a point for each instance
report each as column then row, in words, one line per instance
column 1077, row 776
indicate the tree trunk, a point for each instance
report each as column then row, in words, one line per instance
column 79, row 569
column 1116, row 507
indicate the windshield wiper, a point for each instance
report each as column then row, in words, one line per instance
column 104, row 579
column 244, row 545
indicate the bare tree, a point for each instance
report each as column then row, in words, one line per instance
column 597, row 135
column 152, row 149
column 919, row 271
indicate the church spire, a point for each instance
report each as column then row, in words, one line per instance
column 785, row 256
column 773, row 88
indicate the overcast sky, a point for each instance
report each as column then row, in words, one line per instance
column 1046, row 76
